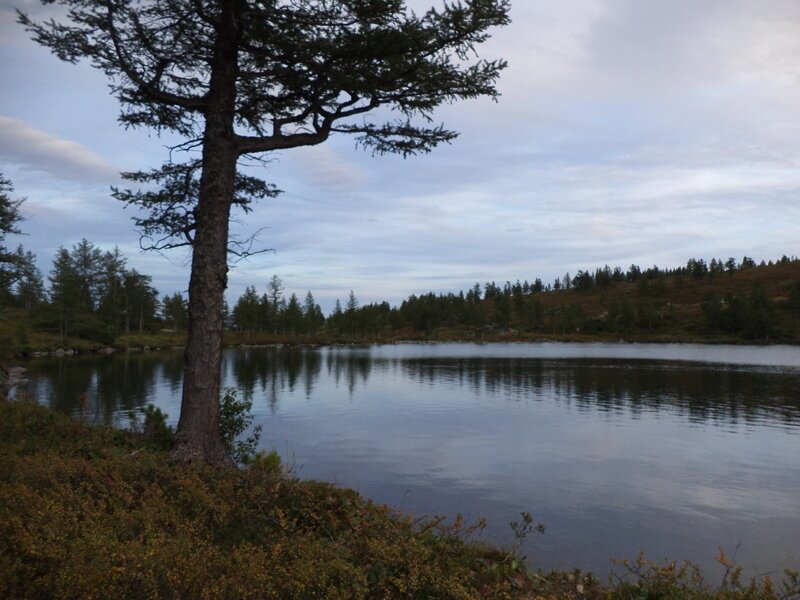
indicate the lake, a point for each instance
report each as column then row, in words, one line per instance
column 674, row 450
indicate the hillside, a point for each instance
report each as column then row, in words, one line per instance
column 759, row 304
column 751, row 304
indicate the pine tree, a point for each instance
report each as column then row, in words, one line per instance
column 246, row 311
column 293, row 315
column 65, row 289
column 175, row 311
column 246, row 77
column 312, row 315
column 29, row 290
column 9, row 217
column 350, row 312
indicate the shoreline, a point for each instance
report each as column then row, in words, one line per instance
column 89, row 349
column 142, row 516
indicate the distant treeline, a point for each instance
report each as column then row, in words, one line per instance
column 89, row 293
column 92, row 294
column 605, row 300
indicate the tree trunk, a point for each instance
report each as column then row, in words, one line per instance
column 198, row 436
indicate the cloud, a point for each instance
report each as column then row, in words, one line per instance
column 326, row 170
column 627, row 132
column 26, row 146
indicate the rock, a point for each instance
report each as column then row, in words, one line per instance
column 11, row 378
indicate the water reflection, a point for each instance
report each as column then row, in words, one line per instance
column 615, row 455
column 721, row 394
column 105, row 389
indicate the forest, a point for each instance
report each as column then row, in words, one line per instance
column 90, row 294
column 723, row 299
column 93, row 295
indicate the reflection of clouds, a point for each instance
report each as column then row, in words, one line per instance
column 716, row 498
column 615, row 456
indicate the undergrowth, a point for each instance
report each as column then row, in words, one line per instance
column 95, row 512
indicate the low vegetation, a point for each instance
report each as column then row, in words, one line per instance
column 94, row 512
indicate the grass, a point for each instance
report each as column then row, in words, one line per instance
column 94, row 512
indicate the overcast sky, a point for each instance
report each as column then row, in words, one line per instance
column 628, row 131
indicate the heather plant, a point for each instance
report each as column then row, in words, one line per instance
column 92, row 512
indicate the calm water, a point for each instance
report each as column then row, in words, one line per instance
column 673, row 450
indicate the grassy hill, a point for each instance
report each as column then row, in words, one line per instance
column 676, row 308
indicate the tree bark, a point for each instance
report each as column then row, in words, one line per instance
column 198, row 436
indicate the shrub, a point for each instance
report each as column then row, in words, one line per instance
column 156, row 428
column 235, row 417
column 266, row 462
column 153, row 427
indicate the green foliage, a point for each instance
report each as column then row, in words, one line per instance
column 642, row 578
column 266, row 462
column 522, row 529
column 693, row 303
column 235, row 417
column 155, row 427
column 169, row 211
column 753, row 303
column 9, row 217
column 794, row 297
column 175, row 311
column 750, row 316
column 9, row 209
column 94, row 296
column 151, row 425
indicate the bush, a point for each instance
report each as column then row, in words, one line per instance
column 266, row 462
column 235, row 417
column 152, row 428
column 155, row 427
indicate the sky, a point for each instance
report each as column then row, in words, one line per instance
column 626, row 132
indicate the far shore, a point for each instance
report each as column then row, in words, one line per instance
column 150, row 343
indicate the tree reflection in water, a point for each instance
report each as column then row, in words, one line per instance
column 103, row 389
